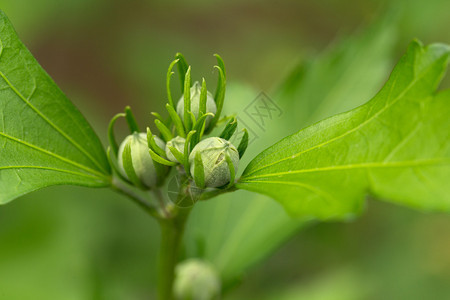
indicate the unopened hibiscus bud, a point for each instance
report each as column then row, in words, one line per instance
column 213, row 152
column 195, row 92
column 142, row 163
column 177, row 143
column 196, row 280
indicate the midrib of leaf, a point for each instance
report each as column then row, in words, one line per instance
column 50, row 169
column 397, row 164
column 387, row 106
column 85, row 168
column 38, row 112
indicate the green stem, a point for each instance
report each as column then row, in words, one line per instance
column 123, row 188
column 172, row 221
column 171, row 235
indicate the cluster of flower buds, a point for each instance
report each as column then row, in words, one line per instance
column 144, row 159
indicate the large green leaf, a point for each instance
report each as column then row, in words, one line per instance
column 44, row 139
column 395, row 147
column 241, row 228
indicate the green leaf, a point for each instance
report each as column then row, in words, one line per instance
column 396, row 147
column 44, row 139
column 233, row 228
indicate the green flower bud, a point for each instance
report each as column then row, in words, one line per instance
column 178, row 143
column 213, row 153
column 196, row 280
column 142, row 161
column 195, row 103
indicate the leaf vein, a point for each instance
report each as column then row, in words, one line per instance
column 398, row 164
column 403, row 142
column 83, row 167
column 47, row 120
column 48, row 168
column 382, row 110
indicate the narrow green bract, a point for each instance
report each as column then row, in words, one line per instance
column 395, row 147
column 44, row 139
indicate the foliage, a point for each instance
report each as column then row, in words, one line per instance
column 326, row 169
column 44, row 139
column 354, row 154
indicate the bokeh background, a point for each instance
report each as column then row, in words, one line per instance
column 313, row 58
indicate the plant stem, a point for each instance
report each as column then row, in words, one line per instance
column 172, row 220
column 171, row 234
column 126, row 190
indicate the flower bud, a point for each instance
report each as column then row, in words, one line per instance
column 177, row 143
column 213, row 153
column 195, row 92
column 142, row 162
column 196, row 280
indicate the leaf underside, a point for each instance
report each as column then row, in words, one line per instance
column 395, row 147
column 44, row 139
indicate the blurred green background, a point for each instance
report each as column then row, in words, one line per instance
column 313, row 58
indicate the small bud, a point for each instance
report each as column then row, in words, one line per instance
column 196, row 280
column 213, row 153
column 177, row 143
column 195, row 92
column 141, row 160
